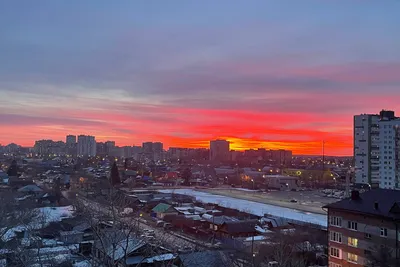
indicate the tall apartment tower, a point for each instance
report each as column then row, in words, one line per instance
column 389, row 137
column 219, row 150
column 86, row 145
column 375, row 149
column 366, row 149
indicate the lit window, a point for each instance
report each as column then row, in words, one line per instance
column 352, row 257
column 352, row 242
column 384, row 232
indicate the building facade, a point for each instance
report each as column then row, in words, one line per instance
column 86, row 146
column 366, row 149
column 70, row 143
column 219, row 150
column 389, row 160
column 365, row 228
column 370, row 148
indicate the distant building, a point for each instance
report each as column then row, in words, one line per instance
column 100, row 149
column 49, row 148
column 86, row 145
column 70, row 143
column 70, row 140
column 219, row 150
column 153, row 151
column 281, row 156
column 363, row 227
column 109, row 146
column 375, row 146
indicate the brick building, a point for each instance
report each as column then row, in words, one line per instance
column 362, row 226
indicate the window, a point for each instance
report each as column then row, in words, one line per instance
column 352, row 257
column 384, row 232
column 335, row 221
column 335, row 252
column 352, row 242
column 352, row 225
column 332, row 264
column 335, row 237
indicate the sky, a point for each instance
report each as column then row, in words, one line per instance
column 259, row 73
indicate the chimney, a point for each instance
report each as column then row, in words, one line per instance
column 376, row 205
column 355, row 195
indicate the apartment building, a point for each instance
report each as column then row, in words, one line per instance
column 361, row 226
column 366, row 149
column 371, row 139
column 389, row 160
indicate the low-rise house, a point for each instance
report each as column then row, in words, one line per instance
column 238, row 229
column 71, row 237
column 162, row 210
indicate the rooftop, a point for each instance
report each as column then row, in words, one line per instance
column 377, row 202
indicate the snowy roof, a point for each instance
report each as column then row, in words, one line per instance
column 255, row 238
column 262, row 230
column 43, row 217
column 85, row 263
column 30, row 188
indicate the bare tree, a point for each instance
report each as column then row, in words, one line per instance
column 116, row 236
column 382, row 256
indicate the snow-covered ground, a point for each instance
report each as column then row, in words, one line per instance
column 252, row 207
column 42, row 218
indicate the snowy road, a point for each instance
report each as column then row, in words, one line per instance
column 252, row 207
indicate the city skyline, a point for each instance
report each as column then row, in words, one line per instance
column 258, row 75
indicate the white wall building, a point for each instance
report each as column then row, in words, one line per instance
column 389, row 135
column 366, row 149
column 86, row 146
column 375, row 146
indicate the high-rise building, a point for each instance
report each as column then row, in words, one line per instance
column 366, row 149
column 389, row 151
column 100, row 149
column 147, row 147
column 86, row 146
column 219, row 150
column 153, row 151
column 49, row 148
column 369, row 148
column 70, row 140
column 110, row 146
column 70, row 144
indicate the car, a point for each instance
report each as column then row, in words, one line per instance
column 293, row 200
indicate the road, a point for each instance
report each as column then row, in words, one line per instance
column 308, row 201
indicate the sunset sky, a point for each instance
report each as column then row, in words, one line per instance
column 272, row 74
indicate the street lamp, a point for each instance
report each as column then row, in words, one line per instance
column 253, row 183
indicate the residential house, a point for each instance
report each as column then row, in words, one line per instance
column 162, row 210
column 234, row 229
